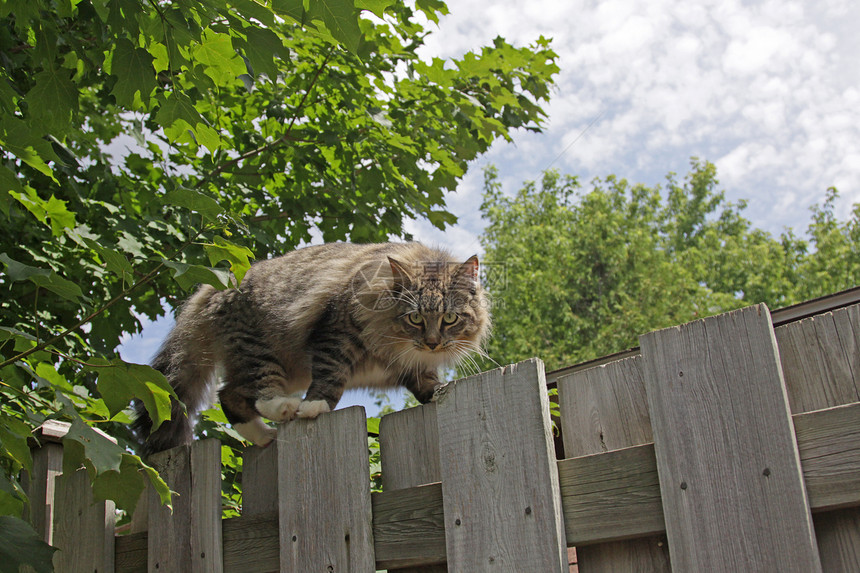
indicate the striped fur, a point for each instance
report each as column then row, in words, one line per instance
column 314, row 322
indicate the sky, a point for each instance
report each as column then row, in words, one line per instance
column 767, row 91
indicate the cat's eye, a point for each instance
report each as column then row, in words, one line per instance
column 415, row 318
column 449, row 318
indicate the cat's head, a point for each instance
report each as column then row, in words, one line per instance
column 439, row 311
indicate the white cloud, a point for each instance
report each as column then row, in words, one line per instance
column 767, row 90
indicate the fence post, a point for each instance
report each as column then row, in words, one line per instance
column 47, row 450
column 188, row 538
column 499, row 474
column 730, row 479
column 325, row 519
column 409, row 448
column 603, row 409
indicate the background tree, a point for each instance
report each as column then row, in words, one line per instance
column 586, row 271
column 146, row 147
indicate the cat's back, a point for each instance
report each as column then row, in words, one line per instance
column 293, row 289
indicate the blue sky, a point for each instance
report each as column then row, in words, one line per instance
column 768, row 91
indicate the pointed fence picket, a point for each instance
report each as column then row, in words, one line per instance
column 728, row 444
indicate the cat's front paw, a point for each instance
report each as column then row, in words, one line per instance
column 279, row 408
column 312, row 408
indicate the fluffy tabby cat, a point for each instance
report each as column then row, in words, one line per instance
column 319, row 319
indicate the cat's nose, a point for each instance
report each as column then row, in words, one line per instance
column 432, row 345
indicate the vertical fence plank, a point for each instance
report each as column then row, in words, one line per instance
column 499, row 474
column 260, row 480
column 324, row 494
column 409, row 448
column 188, row 538
column 169, row 537
column 821, row 360
column 604, row 409
column 206, row 538
column 409, row 444
column 730, row 479
column 83, row 528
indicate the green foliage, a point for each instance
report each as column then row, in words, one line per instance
column 146, row 147
column 20, row 545
column 587, row 271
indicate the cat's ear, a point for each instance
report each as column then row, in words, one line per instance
column 399, row 272
column 467, row 274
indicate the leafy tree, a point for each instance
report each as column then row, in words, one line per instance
column 150, row 146
column 588, row 270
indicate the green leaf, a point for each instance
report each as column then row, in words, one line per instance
column 8, row 184
column 135, row 75
column 259, row 48
column 19, row 271
column 161, row 487
column 189, row 276
column 216, row 53
column 47, row 372
column 123, row 486
column 84, row 443
column 12, row 497
column 20, row 545
column 177, row 115
column 194, row 200
column 378, row 7
column 14, row 442
column 52, row 100
column 115, row 262
column 42, row 277
column 238, row 256
column 119, row 382
column 295, row 9
column 340, row 18
column 26, row 144
column 53, row 210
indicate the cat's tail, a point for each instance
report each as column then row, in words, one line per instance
column 187, row 360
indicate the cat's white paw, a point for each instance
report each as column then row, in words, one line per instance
column 312, row 408
column 257, row 432
column 279, row 408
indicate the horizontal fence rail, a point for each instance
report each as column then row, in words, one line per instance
column 726, row 444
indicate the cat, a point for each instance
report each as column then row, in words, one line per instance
column 319, row 319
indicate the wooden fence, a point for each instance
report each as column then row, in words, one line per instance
column 726, row 445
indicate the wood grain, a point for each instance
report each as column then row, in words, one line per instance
column 731, row 484
column 324, row 494
column 821, row 360
column 605, row 409
column 169, row 532
column 409, row 449
column 83, row 527
column 499, row 475
column 260, row 480
column 206, row 536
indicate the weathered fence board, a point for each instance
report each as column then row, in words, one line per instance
column 499, row 475
column 821, row 360
column 83, row 527
column 188, row 537
column 259, row 480
column 409, row 449
column 605, row 409
column 325, row 518
column 726, row 455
